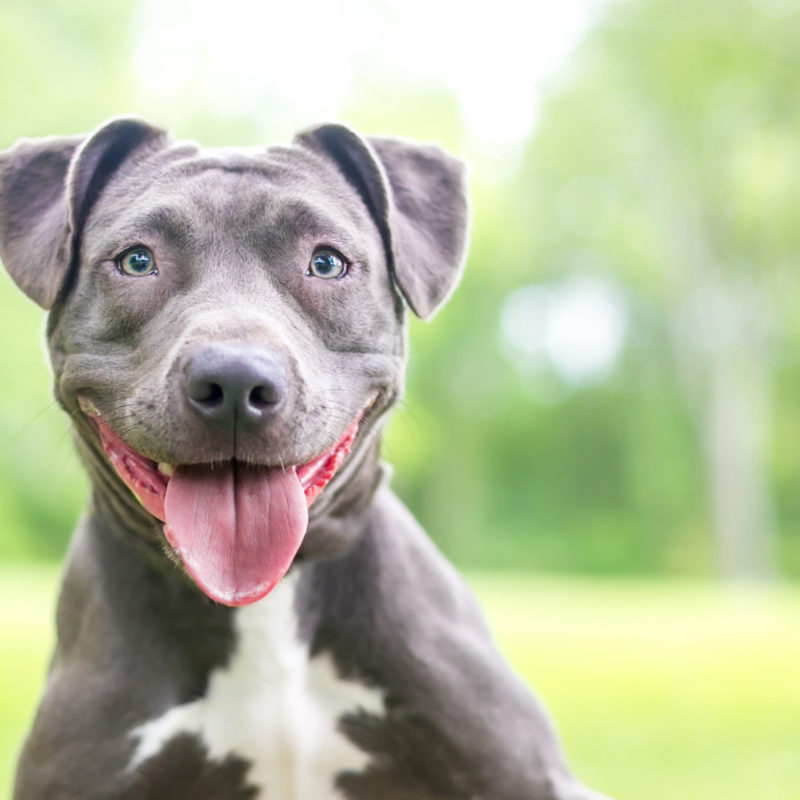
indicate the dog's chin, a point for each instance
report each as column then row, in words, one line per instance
column 234, row 526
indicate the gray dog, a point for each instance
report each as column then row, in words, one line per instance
column 247, row 610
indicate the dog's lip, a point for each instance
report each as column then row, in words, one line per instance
column 148, row 478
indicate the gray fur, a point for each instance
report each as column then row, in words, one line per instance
column 232, row 230
column 46, row 189
column 418, row 200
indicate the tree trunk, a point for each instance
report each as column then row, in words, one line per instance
column 735, row 446
column 723, row 354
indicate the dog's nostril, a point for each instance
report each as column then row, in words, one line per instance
column 263, row 396
column 207, row 393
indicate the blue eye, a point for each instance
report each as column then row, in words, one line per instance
column 137, row 261
column 327, row 263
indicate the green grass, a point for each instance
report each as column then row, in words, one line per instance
column 661, row 691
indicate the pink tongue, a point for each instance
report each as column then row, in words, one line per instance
column 236, row 528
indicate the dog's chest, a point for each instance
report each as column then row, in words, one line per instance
column 272, row 706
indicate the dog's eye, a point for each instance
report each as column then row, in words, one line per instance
column 327, row 263
column 137, row 261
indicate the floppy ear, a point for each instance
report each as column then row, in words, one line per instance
column 47, row 187
column 416, row 194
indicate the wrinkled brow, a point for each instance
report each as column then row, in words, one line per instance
column 298, row 218
column 144, row 226
column 164, row 220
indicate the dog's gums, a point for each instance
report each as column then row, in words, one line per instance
column 235, row 527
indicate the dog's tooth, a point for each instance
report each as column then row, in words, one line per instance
column 166, row 469
column 88, row 407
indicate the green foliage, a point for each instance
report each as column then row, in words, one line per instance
column 41, row 485
column 62, row 64
column 662, row 166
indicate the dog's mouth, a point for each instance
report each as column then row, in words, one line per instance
column 236, row 527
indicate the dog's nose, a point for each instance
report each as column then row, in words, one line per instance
column 233, row 384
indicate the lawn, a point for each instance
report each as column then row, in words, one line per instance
column 661, row 690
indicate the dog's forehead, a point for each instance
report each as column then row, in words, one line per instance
column 185, row 186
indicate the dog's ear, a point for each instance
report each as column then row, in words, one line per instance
column 417, row 196
column 47, row 187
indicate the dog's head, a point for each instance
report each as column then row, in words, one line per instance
column 226, row 326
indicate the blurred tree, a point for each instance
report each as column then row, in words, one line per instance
column 64, row 65
column 668, row 149
column 62, row 69
column 661, row 168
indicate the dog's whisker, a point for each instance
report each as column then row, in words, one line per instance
column 17, row 435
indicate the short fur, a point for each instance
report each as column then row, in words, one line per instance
column 232, row 231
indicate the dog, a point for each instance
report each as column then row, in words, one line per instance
column 247, row 611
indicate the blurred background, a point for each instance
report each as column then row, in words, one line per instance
column 602, row 427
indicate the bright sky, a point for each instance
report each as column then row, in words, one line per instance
column 300, row 58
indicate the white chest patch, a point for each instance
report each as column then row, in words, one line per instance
column 272, row 706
